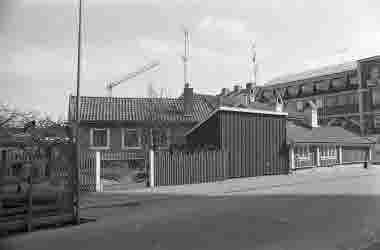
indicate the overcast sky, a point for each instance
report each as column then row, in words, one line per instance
column 38, row 43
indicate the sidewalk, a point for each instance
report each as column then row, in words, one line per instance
column 119, row 199
column 226, row 187
column 237, row 185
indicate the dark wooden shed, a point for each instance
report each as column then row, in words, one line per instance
column 255, row 139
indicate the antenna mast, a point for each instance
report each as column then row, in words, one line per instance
column 253, row 72
column 185, row 57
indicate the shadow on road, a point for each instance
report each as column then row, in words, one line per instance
column 241, row 221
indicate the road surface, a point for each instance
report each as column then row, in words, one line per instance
column 336, row 214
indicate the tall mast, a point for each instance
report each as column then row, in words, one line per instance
column 253, row 64
column 185, row 57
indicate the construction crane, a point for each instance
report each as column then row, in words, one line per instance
column 131, row 75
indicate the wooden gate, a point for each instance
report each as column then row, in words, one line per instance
column 123, row 170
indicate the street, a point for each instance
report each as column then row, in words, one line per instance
column 324, row 214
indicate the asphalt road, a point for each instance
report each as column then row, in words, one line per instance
column 340, row 214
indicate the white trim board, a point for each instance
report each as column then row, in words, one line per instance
column 241, row 110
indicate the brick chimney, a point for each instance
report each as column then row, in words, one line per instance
column 237, row 88
column 188, row 100
column 219, row 101
column 279, row 107
column 249, row 86
column 224, row 92
column 311, row 114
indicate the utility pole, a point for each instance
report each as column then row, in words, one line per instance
column 77, row 134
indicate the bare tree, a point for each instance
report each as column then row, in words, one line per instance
column 14, row 117
column 32, row 133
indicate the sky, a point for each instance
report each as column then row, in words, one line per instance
column 38, row 44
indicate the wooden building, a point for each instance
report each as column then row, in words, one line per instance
column 325, row 147
column 255, row 139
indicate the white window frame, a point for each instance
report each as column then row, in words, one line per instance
column 329, row 152
column 138, row 131
column 168, row 134
column 303, row 153
column 108, row 131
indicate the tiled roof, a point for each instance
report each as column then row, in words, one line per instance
column 328, row 70
column 328, row 134
column 213, row 100
column 138, row 109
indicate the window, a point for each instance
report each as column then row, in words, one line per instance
column 376, row 96
column 354, row 80
column 131, row 138
column 328, row 152
column 331, row 101
column 160, row 137
column 342, row 100
column 338, row 83
column 303, row 153
column 299, row 106
column 319, row 103
column 100, row 138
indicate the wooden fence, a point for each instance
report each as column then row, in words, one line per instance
column 87, row 171
column 177, row 168
column 31, row 197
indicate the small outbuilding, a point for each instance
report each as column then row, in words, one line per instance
column 255, row 140
column 311, row 145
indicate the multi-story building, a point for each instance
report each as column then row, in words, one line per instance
column 346, row 95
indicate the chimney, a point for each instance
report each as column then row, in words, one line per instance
column 220, row 101
column 224, row 92
column 188, row 100
column 249, row 86
column 311, row 114
column 237, row 88
column 279, row 107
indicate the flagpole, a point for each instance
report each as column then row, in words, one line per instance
column 77, row 137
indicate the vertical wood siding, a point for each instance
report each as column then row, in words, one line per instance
column 87, row 171
column 180, row 168
column 256, row 143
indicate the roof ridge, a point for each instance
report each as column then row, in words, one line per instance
column 282, row 78
column 127, row 98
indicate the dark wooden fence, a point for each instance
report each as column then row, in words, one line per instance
column 189, row 167
column 31, row 196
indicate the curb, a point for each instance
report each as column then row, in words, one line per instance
column 123, row 203
column 110, row 205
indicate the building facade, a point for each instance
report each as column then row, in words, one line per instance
column 346, row 95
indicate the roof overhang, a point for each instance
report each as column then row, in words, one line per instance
column 240, row 110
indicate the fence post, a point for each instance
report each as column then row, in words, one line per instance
column 291, row 159
column 3, row 170
column 318, row 156
column 29, row 219
column 340, row 155
column 99, row 187
column 151, row 167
